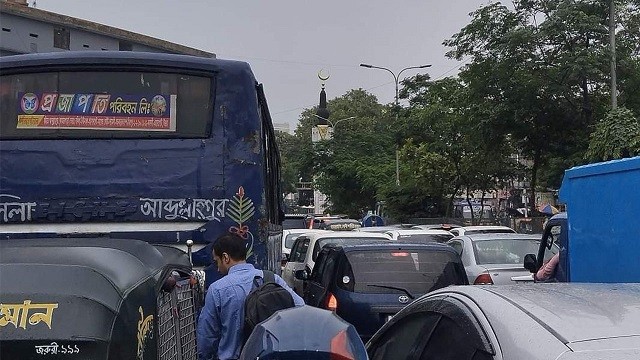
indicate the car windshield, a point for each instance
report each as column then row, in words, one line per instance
column 506, row 251
column 396, row 271
column 441, row 238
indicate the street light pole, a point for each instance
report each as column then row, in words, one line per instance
column 397, row 102
column 333, row 124
column 396, row 78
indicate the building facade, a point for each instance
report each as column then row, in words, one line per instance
column 26, row 29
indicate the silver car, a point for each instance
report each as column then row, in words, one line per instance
column 563, row 321
column 496, row 258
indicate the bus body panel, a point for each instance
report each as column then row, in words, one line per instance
column 186, row 188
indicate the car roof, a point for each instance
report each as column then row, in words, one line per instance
column 436, row 226
column 484, row 227
column 299, row 231
column 393, row 245
column 377, row 229
column 420, row 232
column 573, row 312
column 503, row 236
column 344, row 234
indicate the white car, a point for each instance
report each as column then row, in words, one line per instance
column 482, row 229
column 496, row 258
column 417, row 235
column 307, row 246
column 288, row 238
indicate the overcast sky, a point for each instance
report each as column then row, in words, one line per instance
column 287, row 42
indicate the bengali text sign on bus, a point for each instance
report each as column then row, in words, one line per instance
column 97, row 111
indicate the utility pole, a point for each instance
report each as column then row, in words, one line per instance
column 612, row 45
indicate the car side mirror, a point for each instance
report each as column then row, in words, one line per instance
column 530, row 263
column 301, row 275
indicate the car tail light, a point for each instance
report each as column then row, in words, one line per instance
column 332, row 302
column 399, row 254
column 483, row 279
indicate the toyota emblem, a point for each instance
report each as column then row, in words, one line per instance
column 403, row 299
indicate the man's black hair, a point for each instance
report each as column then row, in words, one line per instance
column 231, row 244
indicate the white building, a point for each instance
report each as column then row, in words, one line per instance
column 284, row 127
column 27, row 29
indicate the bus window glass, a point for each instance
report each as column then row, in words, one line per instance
column 105, row 104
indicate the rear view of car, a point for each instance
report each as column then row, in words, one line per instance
column 496, row 258
column 366, row 284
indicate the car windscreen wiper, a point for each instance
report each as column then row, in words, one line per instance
column 393, row 288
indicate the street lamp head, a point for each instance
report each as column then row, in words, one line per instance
column 424, row 66
column 366, row 65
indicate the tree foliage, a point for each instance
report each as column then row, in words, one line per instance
column 542, row 68
column 354, row 165
column 536, row 80
column 288, row 167
column 616, row 136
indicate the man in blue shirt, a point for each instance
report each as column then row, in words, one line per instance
column 221, row 320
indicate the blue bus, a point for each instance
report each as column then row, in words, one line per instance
column 159, row 147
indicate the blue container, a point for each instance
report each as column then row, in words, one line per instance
column 603, row 209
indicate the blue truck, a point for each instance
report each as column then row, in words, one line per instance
column 599, row 235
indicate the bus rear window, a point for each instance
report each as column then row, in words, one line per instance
column 105, row 104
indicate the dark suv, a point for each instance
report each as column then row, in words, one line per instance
column 367, row 283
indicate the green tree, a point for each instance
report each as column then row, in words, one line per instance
column 542, row 70
column 289, row 172
column 616, row 136
column 449, row 150
column 355, row 165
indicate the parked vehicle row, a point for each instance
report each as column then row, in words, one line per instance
column 307, row 247
column 369, row 274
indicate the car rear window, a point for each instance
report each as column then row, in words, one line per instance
column 489, row 231
column 441, row 238
column 339, row 241
column 416, row 271
column 505, row 251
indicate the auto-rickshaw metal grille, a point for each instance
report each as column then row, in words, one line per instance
column 177, row 323
column 167, row 342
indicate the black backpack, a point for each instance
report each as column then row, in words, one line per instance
column 263, row 301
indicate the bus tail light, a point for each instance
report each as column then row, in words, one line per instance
column 483, row 279
column 332, row 302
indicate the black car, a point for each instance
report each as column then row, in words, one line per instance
column 367, row 283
